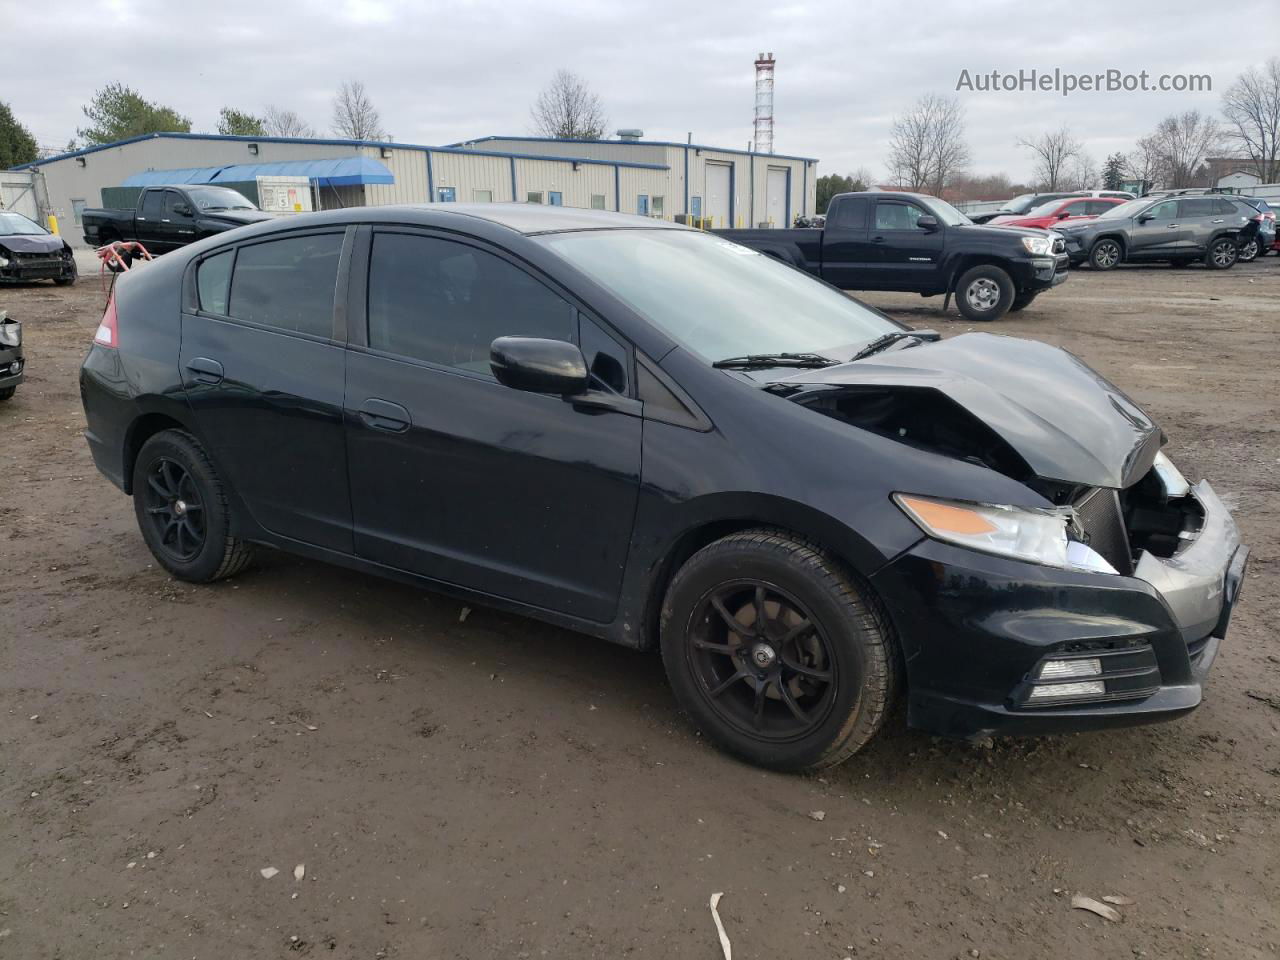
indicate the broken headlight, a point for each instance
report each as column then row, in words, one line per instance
column 10, row 332
column 1023, row 533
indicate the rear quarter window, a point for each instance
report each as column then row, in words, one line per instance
column 288, row 283
column 213, row 282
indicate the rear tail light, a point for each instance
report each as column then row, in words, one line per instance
column 108, row 334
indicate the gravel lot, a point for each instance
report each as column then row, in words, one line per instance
column 498, row 788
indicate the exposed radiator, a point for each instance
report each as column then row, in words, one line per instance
column 1103, row 523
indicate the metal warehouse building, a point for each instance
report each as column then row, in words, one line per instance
column 650, row 178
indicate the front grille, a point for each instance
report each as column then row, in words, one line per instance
column 1104, row 529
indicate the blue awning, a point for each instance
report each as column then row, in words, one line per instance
column 335, row 172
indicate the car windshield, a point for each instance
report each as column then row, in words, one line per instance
column 720, row 299
column 218, row 198
column 1127, row 209
column 16, row 225
column 945, row 212
column 1020, row 204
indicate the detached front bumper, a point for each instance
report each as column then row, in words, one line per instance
column 977, row 631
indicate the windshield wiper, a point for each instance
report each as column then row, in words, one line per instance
column 753, row 361
column 889, row 339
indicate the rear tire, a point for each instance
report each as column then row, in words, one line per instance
column 984, row 292
column 1222, row 254
column 1105, row 254
column 1248, row 252
column 182, row 510
column 808, row 683
column 1022, row 301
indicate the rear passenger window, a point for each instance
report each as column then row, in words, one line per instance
column 288, row 283
column 850, row 215
column 446, row 302
column 1200, row 207
column 1227, row 208
column 213, row 279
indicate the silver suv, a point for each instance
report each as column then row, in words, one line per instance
column 1174, row 229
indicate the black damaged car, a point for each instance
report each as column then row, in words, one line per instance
column 30, row 252
column 668, row 440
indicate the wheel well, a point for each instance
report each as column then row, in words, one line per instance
column 140, row 431
column 689, row 543
column 1118, row 238
column 970, row 260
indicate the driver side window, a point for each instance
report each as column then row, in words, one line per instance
column 173, row 200
column 445, row 302
column 897, row 216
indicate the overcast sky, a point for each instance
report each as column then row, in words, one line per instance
column 442, row 72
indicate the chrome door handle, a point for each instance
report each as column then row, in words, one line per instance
column 1219, row 221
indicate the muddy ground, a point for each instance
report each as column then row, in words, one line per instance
column 499, row 788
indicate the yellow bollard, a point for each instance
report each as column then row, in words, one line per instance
column 53, row 224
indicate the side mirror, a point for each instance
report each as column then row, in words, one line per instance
column 539, row 366
column 1064, row 214
column 927, row 223
column 1145, row 217
column 182, row 208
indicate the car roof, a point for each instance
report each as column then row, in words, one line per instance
column 535, row 218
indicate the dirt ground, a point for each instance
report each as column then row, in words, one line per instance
column 499, row 788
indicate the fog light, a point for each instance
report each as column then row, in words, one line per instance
column 1068, row 669
column 1059, row 691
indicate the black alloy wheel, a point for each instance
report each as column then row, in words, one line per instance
column 174, row 506
column 762, row 663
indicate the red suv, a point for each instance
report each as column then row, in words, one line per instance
column 1055, row 211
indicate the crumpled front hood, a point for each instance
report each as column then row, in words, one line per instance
column 38, row 243
column 1064, row 419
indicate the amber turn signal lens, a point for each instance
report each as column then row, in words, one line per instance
column 944, row 517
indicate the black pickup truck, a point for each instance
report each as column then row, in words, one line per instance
column 919, row 244
column 167, row 218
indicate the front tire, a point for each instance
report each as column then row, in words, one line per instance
column 1105, row 254
column 777, row 654
column 182, row 510
column 1222, row 254
column 7, row 393
column 984, row 293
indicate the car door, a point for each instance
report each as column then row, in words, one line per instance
column 177, row 220
column 1201, row 219
column 262, row 366
column 147, row 222
column 1157, row 232
column 458, row 478
column 848, row 257
column 908, row 254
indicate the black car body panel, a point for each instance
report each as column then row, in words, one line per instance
column 577, row 510
column 34, row 254
column 851, row 253
column 164, row 219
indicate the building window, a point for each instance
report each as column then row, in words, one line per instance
column 77, row 210
column 482, row 196
column 642, row 205
column 555, row 198
column 533, row 196
column 597, row 201
column 446, row 194
column 656, row 207
column 695, row 206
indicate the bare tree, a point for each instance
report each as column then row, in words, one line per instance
column 354, row 115
column 1145, row 162
column 278, row 122
column 1056, row 152
column 1252, row 109
column 568, row 109
column 1081, row 173
column 927, row 147
column 1183, row 141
